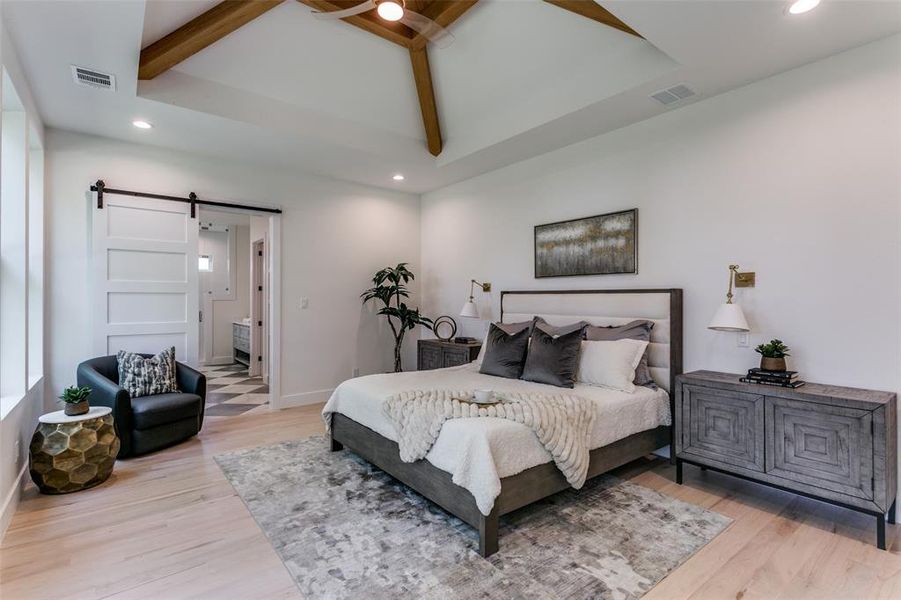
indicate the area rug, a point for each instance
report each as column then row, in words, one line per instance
column 345, row 529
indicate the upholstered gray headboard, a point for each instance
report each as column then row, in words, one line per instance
column 611, row 307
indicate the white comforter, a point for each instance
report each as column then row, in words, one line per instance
column 479, row 452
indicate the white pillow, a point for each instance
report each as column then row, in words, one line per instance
column 478, row 360
column 610, row 363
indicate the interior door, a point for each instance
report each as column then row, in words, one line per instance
column 217, row 262
column 145, row 288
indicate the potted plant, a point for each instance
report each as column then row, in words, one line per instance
column 389, row 288
column 75, row 400
column 772, row 355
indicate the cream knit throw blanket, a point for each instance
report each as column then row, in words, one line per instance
column 563, row 423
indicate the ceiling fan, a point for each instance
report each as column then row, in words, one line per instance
column 395, row 10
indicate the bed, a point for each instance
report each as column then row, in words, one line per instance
column 480, row 469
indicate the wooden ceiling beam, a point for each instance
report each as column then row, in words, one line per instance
column 594, row 11
column 397, row 33
column 198, row 33
column 422, row 76
column 443, row 12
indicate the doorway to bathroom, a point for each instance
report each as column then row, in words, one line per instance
column 234, row 318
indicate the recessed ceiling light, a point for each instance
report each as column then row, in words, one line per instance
column 398, row 177
column 391, row 10
column 141, row 124
column 802, row 6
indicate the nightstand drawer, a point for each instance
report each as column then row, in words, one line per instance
column 723, row 426
column 829, row 447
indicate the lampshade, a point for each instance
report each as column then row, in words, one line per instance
column 470, row 310
column 729, row 317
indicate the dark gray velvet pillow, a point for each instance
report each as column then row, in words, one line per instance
column 633, row 330
column 513, row 328
column 553, row 360
column 505, row 353
column 553, row 330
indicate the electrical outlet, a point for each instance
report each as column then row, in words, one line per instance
column 304, row 303
column 744, row 340
column 356, row 372
column 16, row 454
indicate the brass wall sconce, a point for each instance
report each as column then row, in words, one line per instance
column 729, row 316
column 470, row 309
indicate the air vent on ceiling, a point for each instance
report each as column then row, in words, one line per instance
column 94, row 79
column 673, row 94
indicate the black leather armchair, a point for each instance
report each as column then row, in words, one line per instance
column 146, row 423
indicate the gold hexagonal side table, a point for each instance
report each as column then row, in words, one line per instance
column 72, row 453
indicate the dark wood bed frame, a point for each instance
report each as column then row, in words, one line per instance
column 523, row 488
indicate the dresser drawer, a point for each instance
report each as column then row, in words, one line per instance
column 830, row 447
column 723, row 426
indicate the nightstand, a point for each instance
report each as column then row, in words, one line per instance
column 438, row 354
column 831, row 443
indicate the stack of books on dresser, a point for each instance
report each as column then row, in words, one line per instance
column 788, row 379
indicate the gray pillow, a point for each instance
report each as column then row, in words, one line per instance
column 505, row 353
column 633, row 330
column 554, row 330
column 513, row 328
column 147, row 376
column 553, row 360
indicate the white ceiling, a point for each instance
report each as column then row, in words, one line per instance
column 522, row 78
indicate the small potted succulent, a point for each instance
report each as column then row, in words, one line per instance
column 772, row 355
column 75, row 400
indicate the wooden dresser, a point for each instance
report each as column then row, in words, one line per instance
column 832, row 443
column 436, row 354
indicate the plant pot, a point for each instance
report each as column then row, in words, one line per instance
column 79, row 408
column 772, row 364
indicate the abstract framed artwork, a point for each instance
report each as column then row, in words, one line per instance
column 600, row 245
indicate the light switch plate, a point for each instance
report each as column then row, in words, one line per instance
column 744, row 340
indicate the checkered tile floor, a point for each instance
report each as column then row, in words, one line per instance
column 230, row 392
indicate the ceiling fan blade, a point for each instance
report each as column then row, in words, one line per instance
column 347, row 12
column 434, row 32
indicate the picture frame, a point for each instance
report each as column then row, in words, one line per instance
column 605, row 244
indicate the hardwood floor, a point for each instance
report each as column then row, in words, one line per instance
column 169, row 525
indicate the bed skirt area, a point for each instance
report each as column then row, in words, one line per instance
column 516, row 491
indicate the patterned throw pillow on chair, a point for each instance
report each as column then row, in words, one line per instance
column 147, row 376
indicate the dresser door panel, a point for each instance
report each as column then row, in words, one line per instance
column 829, row 447
column 723, row 426
column 429, row 357
column 456, row 356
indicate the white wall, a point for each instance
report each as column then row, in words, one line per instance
column 796, row 177
column 334, row 236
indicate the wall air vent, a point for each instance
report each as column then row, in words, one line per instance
column 673, row 94
column 94, row 79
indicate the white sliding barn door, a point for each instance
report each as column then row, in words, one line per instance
column 145, row 288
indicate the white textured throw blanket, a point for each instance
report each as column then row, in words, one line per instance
column 562, row 423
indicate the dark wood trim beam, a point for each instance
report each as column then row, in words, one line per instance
column 197, row 34
column 397, row 33
column 594, row 11
column 443, row 12
column 422, row 76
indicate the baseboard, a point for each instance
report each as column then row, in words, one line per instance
column 11, row 502
column 304, row 399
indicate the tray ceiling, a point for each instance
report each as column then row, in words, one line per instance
column 522, row 77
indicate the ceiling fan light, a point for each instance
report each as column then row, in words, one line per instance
column 390, row 10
